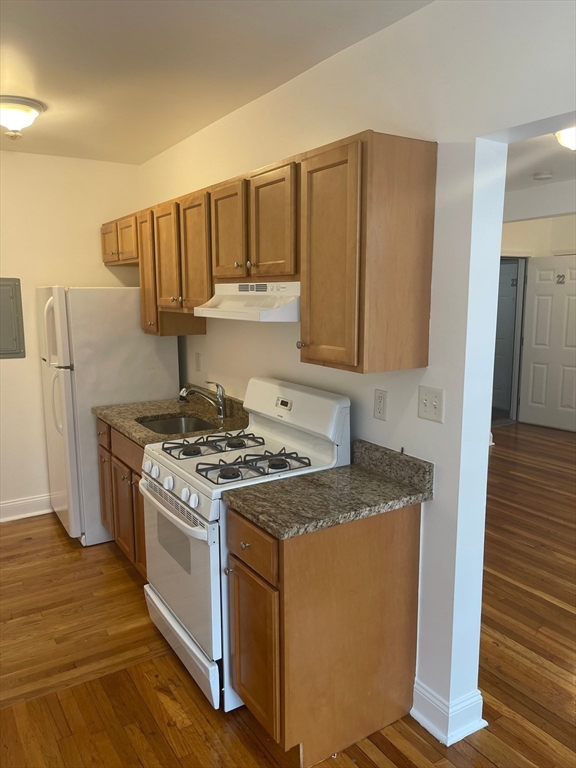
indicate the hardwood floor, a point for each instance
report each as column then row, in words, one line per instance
column 153, row 714
column 67, row 613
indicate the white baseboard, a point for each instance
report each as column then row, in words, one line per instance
column 28, row 507
column 451, row 721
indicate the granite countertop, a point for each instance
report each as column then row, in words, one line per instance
column 379, row 480
column 126, row 417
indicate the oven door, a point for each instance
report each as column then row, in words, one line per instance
column 183, row 566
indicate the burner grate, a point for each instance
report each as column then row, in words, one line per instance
column 211, row 444
column 284, row 460
column 228, row 471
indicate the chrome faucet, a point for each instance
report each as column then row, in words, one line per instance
column 217, row 398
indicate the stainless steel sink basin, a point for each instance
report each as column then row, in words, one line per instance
column 178, row 425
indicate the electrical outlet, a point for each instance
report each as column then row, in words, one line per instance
column 431, row 404
column 197, row 361
column 380, row 404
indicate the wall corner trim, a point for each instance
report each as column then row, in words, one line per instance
column 31, row 506
column 449, row 722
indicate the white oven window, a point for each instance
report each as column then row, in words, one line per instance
column 176, row 543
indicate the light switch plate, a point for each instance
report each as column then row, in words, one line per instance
column 380, row 404
column 431, row 404
column 197, row 361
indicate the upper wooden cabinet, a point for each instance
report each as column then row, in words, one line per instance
column 109, row 242
column 330, row 222
column 367, row 220
column 195, row 250
column 273, row 222
column 120, row 241
column 228, row 229
column 167, row 254
column 148, row 306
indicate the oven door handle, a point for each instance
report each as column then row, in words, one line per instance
column 193, row 533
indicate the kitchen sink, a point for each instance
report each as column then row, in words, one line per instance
column 178, row 425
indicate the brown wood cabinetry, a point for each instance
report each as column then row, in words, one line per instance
column 367, row 218
column 127, row 239
column 328, row 656
column 273, row 222
column 148, row 305
column 255, row 628
column 123, row 507
column 228, row 229
column 196, row 278
column 105, row 480
column 167, row 254
column 109, row 242
column 121, row 503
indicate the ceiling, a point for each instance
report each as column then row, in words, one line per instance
column 126, row 79
column 538, row 155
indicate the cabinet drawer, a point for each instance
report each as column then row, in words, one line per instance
column 127, row 451
column 254, row 546
column 103, row 433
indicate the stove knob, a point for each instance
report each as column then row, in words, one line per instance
column 147, row 466
column 185, row 494
column 168, row 482
column 194, row 500
column 155, row 472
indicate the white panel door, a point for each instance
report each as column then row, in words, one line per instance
column 505, row 334
column 548, row 386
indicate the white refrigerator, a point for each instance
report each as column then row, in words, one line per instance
column 93, row 352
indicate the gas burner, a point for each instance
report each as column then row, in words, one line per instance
column 228, row 471
column 282, row 461
column 210, row 444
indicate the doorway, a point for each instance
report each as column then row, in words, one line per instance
column 506, row 381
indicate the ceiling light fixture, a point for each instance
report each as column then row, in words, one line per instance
column 17, row 112
column 567, row 138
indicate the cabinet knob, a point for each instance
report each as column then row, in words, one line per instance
column 300, row 344
column 124, row 478
column 150, row 322
column 248, row 264
column 180, row 299
column 237, row 265
column 104, row 461
column 228, row 571
column 100, row 433
column 244, row 545
column 173, row 298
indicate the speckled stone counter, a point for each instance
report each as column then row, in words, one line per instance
column 126, row 418
column 378, row 480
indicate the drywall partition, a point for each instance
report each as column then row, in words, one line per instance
column 451, row 72
column 535, row 202
column 51, row 210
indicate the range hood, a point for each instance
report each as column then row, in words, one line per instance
column 259, row 302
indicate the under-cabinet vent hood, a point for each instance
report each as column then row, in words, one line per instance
column 259, row 302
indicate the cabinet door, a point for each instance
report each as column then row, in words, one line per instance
column 228, row 227
column 127, row 238
column 273, row 222
column 105, row 478
column 109, row 240
column 123, row 508
column 148, row 306
column 167, row 255
column 139, row 537
column 255, row 627
column 195, row 250
column 330, row 253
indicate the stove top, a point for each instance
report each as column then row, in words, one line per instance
column 211, row 444
column 251, row 466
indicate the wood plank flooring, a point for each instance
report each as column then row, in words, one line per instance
column 152, row 713
column 67, row 613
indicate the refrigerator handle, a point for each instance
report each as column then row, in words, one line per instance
column 59, row 427
column 48, row 309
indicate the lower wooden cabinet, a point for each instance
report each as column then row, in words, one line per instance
column 121, row 503
column 105, row 477
column 123, row 507
column 255, row 617
column 327, row 656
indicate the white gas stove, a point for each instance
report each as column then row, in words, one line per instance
column 292, row 430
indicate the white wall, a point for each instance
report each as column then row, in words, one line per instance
column 51, row 211
column 546, row 200
column 549, row 236
column 451, row 72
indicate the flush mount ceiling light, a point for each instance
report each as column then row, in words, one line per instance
column 17, row 112
column 567, row 138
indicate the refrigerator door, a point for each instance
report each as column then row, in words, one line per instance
column 114, row 362
column 60, row 441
